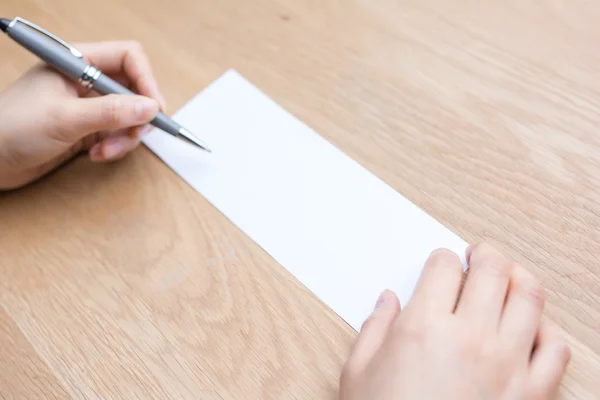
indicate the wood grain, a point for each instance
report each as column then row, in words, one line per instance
column 119, row 281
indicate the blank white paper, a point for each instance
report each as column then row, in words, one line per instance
column 340, row 230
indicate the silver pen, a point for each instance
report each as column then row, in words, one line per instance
column 70, row 62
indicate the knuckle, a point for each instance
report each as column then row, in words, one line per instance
column 411, row 329
column 483, row 249
column 499, row 268
column 134, row 45
column 112, row 110
column 136, row 50
column 533, row 292
column 528, row 287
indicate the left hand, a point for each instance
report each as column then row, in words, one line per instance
column 46, row 119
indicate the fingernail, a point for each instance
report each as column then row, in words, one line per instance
column 112, row 148
column 383, row 299
column 145, row 108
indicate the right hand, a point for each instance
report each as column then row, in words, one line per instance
column 487, row 342
column 47, row 119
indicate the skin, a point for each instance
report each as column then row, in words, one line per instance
column 47, row 119
column 486, row 342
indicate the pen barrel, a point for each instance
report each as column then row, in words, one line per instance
column 48, row 50
column 106, row 85
column 165, row 123
column 78, row 69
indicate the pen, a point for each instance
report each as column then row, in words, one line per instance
column 70, row 62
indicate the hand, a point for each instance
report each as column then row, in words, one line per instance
column 46, row 119
column 489, row 344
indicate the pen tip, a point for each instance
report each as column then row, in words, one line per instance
column 188, row 137
column 4, row 24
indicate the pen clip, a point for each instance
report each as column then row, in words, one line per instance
column 44, row 32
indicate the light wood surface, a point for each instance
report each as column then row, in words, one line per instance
column 120, row 281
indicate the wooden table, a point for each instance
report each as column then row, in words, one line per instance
column 120, row 281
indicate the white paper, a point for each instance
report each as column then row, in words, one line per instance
column 340, row 230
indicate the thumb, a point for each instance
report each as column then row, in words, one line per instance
column 374, row 330
column 83, row 116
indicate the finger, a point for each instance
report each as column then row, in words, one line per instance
column 374, row 330
column 113, row 148
column 125, row 57
column 84, row 116
column 549, row 362
column 482, row 298
column 439, row 284
column 521, row 317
